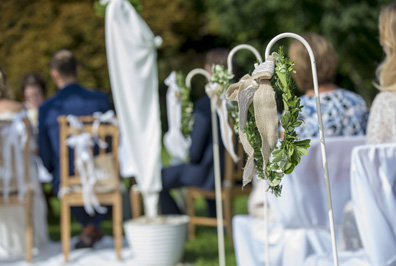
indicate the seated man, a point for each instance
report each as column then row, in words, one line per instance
column 199, row 172
column 75, row 100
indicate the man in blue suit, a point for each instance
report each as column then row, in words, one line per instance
column 199, row 172
column 75, row 100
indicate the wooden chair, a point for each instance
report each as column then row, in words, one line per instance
column 13, row 196
column 231, row 188
column 110, row 134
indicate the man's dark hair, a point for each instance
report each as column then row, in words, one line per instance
column 217, row 56
column 65, row 63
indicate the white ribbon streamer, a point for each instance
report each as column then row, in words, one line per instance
column 211, row 90
column 14, row 140
column 84, row 163
column 100, row 117
column 175, row 143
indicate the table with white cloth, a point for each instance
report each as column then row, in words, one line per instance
column 301, row 223
column 373, row 189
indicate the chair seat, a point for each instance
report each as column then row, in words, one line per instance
column 98, row 189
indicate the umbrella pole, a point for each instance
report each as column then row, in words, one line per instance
column 322, row 140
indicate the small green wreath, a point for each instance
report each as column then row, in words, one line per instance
column 286, row 155
column 221, row 76
column 187, row 118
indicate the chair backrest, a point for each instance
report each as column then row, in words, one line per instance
column 14, row 144
column 303, row 201
column 106, row 132
column 373, row 188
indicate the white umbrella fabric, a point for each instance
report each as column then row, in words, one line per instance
column 132, row 61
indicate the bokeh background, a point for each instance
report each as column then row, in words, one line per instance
column 31, row 31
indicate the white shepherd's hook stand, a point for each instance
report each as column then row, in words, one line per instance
column 216, row 159
column 241, row 47
column 265, row 195
column 322, row 139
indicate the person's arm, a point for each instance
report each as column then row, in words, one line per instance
column 44, row 143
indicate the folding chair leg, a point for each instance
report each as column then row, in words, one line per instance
column 65, row 228
column 117, row 225
column 228, row 215
column 191, row 213
column 29, row 228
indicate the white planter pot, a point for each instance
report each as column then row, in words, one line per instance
column 158, row 242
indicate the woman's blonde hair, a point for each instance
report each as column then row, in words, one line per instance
column 3, row 85
column 386, row 71
column 325, row 57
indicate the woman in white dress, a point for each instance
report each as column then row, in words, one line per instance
column 12, row 217
column 382, row 120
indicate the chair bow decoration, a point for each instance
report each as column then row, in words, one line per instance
column 14, row 139
column 257, row 89
column 100, row 117
column 217, row 94
column 175, row 142
column 84, row 163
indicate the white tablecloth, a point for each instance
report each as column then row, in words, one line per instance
column 301, row 226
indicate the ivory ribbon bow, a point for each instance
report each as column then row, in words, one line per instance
column 176, row 144
column 84, row 163
column 212, row 90
column 256, row 90
column 14, row 139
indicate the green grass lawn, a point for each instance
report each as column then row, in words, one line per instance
column 202, row 251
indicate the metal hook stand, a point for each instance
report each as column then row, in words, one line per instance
column 322, row 139
column 241, row 47
column 265, row 195
column 216, row 159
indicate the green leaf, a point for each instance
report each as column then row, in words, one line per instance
column 301, row 150
column 277, row 155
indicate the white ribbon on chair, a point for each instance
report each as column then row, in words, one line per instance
column 14, row 138
column 100, row 117
column 176, row 144
column 84, row 163
column 211, row 90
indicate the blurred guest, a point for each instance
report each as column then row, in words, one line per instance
column 344, row 113
column 33, row 90
column 382, row 120
column 6, row 104
column 71, row 99
column 199, row 172
column 13, row 217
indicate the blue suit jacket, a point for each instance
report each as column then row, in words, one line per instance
column 200, row 171
column 74, row 100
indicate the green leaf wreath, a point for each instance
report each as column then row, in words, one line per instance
column 287, row 154
column 187, row 119
column 221, row 76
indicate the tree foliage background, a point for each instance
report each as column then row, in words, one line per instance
column 31, row 31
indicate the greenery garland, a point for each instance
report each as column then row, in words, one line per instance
column 221, row 76
column 287, row 154
column 187, row 118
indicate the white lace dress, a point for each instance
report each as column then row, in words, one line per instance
column 382, row 120
column 13, row 219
